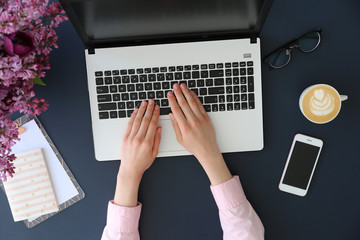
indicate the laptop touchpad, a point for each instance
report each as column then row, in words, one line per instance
column 168, row 137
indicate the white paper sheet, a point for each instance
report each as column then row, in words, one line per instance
column 34, row 139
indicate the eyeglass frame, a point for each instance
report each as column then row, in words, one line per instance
column 293, row 44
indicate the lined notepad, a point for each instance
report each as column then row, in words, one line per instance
column 30, row 192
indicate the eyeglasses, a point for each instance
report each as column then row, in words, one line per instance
column 306, row 43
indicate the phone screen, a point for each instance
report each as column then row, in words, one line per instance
column 301, row 164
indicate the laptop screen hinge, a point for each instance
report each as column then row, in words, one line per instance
column 91, row 50
column 253, row 39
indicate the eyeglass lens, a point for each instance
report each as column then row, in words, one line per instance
column 307, row 43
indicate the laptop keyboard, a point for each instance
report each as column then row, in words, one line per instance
column 220, row 87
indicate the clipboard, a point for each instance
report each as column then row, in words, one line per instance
column 23, row 120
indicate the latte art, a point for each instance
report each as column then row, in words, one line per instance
column 321, row 103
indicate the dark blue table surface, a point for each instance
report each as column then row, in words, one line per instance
column 177, row 203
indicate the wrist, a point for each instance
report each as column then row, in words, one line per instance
column 127, row 188
column 216, row 169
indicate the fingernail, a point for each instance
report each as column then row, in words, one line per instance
column 151, row 101
column 170, row 94
column 143, row 104
column 157, row 107
column 135, row 111
column 176, row 86
column 171, row 116
column 183, row 86
column 159, row 130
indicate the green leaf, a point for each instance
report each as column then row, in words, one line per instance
column 38, row 80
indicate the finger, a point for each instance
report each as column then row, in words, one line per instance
column 175, row 108
column 176, row 128
column 190, row 100
column 153, row 125
column 138, row 119
column 183, row 102
column 157, row 142
column 197, row 100
column 146, row 119
column 130, row 123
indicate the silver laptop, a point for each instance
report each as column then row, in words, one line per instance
column 136, row 50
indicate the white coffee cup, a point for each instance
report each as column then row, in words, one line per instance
column 321, row 103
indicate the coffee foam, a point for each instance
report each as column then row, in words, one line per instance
column 321, row 103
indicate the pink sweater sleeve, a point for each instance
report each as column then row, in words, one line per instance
column 122, row 223
column 238, row 219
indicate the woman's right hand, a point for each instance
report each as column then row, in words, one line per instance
column 195, row 132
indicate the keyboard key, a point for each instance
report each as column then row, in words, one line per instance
column 133, row 96
column 251, row 105
column 207, row 108
column 163, row 69
column 148, row 86
column 243, row 80
column 131, row 71
column 215, row 107
column 236, row 89
column 140, row 87
column 165, row 85
column 130, row 105
column 104, row 89
column 237, row 106
column 228, row 89
column 236, row 97
column 130, row 87
column 235, row 64
column 142, row 95
column 216, row 73
column 134, row 78
column 116, row 97
column 165, row 111
column 210, row 99
column 99, row 81
column 113, row 88
column 216, row 90
column 191, row 84
column 123, row 72
column 219, row 81
column 203, row 91
column 160, row 77
column 169, row 76
column 229, row 98
column 235, row 72
column 157, row 102
column 242, row 64
column 187, row 67
column 219, row 65
column 179, row 68
column 172, row 69
column 115, row 72
column 204, row 66
column 151, row 95
column 209, row 82
column 230, row 107
column 98, row 74
column 147, row 70
column 242, row 71
column 212, row 66
column 152, row 77
column 122, row 88
column 122, row 114
column 196, row 74
column 200, row 83
column 251, row 84
column 221, row 98
column 195, row 67
column 244, row 97
column 121, row 105
column 137, row 104
column 228, row 81
column 129, row 112
column 117, row 80
column 103, row 115
column 125, row 96
column 164, row 103
column 196, row 91
column 228, row 72
column 250, row 63
column 113, row 114
column 250, row 71
column 204, row 74
column 251, row 97
column 244, row 106
column 222, row 107
column 143, row 78
column 125, row 79
column 178, row 76
column 187, row 75
column 236, row 80
column 108, row 80
column 157, row 86
column 159, row 94
column 107, row 106
column 107, row 73
column 104, row 98
column 155, row 70
column 228, row 65
column 243, row 88
column 139, row 71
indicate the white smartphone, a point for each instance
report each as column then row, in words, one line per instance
column 300, row 164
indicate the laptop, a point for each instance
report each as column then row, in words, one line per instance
column 136, row 50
